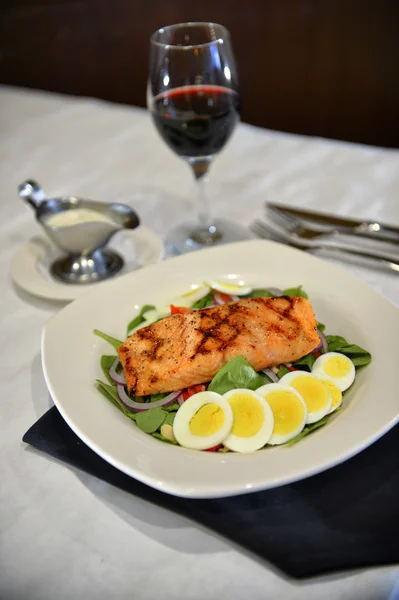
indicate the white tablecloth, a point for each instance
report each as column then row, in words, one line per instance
column 64, row 534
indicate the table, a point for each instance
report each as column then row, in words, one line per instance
column 64, row 534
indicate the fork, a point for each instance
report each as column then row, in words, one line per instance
column 378, row 259
column 310, row 231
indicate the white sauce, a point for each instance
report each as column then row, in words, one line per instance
column 77, row 216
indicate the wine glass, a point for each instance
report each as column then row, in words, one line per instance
column 195, row 104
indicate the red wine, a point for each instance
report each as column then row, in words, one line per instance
column 196, row 120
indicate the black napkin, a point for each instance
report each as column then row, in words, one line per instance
column 344, row 518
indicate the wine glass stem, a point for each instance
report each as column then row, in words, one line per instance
column 200, row 167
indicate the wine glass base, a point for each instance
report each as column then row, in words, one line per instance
column 189, row 237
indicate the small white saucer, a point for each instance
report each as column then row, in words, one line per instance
column 30, row 265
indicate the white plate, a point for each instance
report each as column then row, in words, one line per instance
column 30, row 265
column 349, row 307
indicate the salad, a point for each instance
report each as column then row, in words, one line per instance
column 240, row 409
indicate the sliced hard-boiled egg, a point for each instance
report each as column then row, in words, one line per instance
column 227, row 287
column 153, row 315
column 315, row 394
column 195, row 293
column 336, row 393
column 203, row 421
column 337, row 366
column 252, row 421
column 289, row 411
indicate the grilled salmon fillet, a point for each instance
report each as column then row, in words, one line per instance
column 187, row 349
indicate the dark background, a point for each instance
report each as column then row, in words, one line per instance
column 318, row 67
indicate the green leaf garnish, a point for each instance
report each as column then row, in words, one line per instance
column 204, row 302
column 106, row 364
column 295, row 291
column 237, row 373
column 358, row 355
column 139, row 318
column 307, row 430
column 109, row 391
column 150, row 420
column 305, row 363
column 113, row 341
column 170, row 417
column 172, row 407
column 159, row 436
column 260, row 293
column 282, row 371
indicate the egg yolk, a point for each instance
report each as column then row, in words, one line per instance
column 207, row 420
column 229, row 286
column 248, row 415
column 288, row 411
column 336, row 393
column 313, row 391
column 337, row 367
column 190, row 293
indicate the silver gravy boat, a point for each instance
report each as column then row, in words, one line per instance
column 81, row 234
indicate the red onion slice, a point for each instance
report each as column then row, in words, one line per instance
column 141, row 406
column 271, row 374
column 323, row 340
column 318, row 347
column 236, row 298
column 275, row 291
column 217, row 299
column 180, row 400
column 118, row 378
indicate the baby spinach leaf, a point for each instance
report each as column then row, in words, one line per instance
column 106, row 364
column 172, row 407
column 109, row 391
column 204, row 302
column 156, row 397
column 237, row 373
column 140, row 318
column 267, row 378
column 113, row 341
column 321, row 327
column 306, row 362
column 159, row 436
column 359, row 356
column 282, row 371
column 335, row 342
column 307, row 430
column 295, row 291
column 170, row 417
column 260, row 293
column 150, row 420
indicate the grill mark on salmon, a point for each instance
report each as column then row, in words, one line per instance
column 188, row 349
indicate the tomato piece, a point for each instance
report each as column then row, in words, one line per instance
column 193, row 389
column 317, row 354
column 292, row 368
column 179, row 310
column 225, row 297
column 214, row 448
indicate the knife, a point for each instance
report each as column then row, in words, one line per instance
column 329, row 223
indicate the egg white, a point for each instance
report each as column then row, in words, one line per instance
column 294, row 399
column 181, row 424
column 343, row 382
column 292, row 380
column 195, row 293
column 227, row 287
column 262, row 436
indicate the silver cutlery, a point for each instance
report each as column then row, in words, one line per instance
column 331, row 246
column 326, row 223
